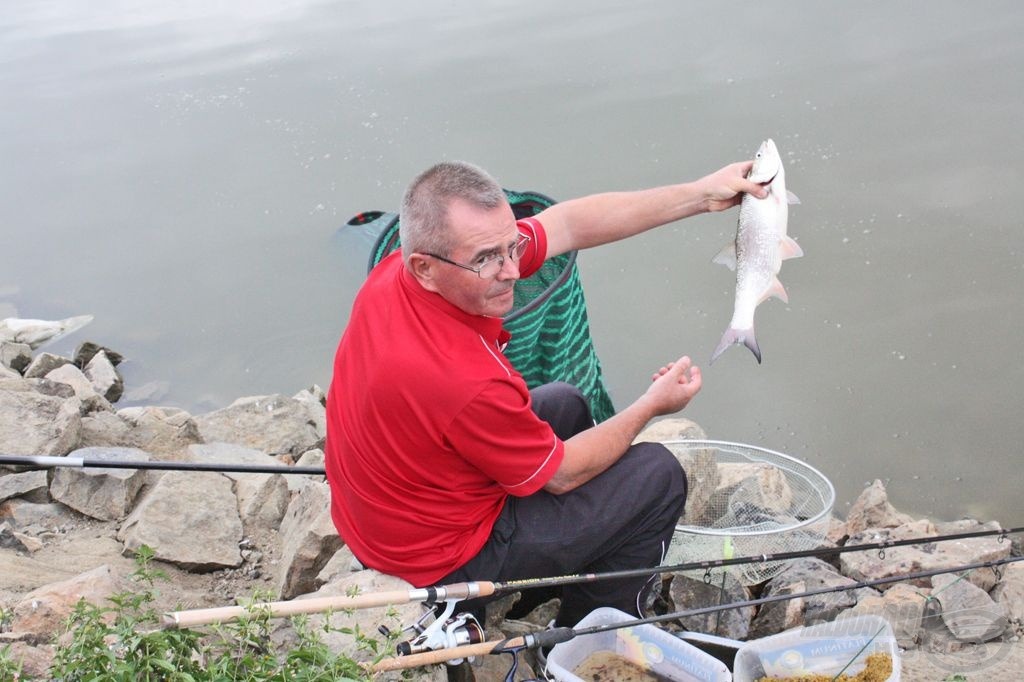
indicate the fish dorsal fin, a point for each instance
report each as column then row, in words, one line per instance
column 788, row 248
column 792, row 198
column 727, row 256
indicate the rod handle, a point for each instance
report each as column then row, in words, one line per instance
column 543, row 638
column 441, row 655
column 281, row 609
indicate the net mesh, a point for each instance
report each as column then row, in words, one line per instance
column 744, row 501
column 549, row 326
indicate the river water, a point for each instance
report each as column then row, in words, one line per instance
column 182, row 172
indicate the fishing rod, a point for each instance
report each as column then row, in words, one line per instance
column 472, row 590
column 548, row 638
column 45, row 462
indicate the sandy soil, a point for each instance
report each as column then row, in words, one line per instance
column 993, row 662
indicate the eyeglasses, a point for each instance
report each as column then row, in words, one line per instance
column 489, row 266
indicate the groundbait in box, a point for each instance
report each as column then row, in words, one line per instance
column 823, row 649
column 644, row 645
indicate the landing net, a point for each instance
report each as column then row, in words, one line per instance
column 745, row 500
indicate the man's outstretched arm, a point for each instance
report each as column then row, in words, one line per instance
column 611, row 216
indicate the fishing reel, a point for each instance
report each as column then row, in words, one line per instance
column 445, row 632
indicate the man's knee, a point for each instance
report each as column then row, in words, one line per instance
column 563, row 406
column 663, row 472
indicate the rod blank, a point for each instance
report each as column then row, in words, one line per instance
column 45, row 462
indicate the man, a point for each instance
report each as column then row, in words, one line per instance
column 443, row 466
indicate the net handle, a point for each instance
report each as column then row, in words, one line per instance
column 544, row 295
column 387, row 236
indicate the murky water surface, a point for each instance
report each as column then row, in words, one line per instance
column 181, row 171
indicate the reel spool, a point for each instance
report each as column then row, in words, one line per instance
column 447, row 631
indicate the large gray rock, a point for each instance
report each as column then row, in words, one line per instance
column 28, row 484
column 43, row 364
column 751, row 492
column 40, row 613
column 105, row 429
column 84, row 390
column 1010, row 591
column 310, row 540
column 871, row 509
column 967, row 610
column 105, row 494
column 899, row 561
column 688, row 593
column 313, row 394
column 15, row 356
column 35, row 661
column 189, row 519
column 105, row 379
column 230, row 453
column 309, row 458
column 804, row 575
column 262, row 498
column 274, row 424
column 87, row 350
column 338, row 567
column 38, row 417
column 8, row 373
column 164, row 432
column 33, row 517
column 671, row 428
column 903, row 606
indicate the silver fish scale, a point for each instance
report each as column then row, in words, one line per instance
column 757, row 247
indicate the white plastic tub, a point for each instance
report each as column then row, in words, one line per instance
column 644, row 645
column 823, row 649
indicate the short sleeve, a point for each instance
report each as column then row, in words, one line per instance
column 500, row 435
column 537, row 251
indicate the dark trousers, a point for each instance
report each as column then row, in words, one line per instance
column 621, row 519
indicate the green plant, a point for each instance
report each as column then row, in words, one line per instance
column 123, row 642
column 9, row 668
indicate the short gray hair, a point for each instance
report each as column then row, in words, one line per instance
column 423, row 222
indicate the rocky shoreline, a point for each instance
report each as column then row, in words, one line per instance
column 67, row 533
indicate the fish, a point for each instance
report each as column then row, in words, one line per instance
column 760, row 246
column 37, row 332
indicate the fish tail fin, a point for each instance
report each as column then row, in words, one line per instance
column 751, row 342
column 733, row 336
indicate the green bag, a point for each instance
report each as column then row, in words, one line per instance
column 550, row 332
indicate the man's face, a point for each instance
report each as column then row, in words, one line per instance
column 479, row 234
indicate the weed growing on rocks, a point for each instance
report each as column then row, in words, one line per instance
column 124, row 642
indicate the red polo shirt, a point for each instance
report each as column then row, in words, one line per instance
column 429, row 428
